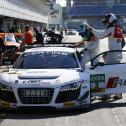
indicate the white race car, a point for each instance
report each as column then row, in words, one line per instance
column 45, row 76
column 72, row 36
column 53, row 77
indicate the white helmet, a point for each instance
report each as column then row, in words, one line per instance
column 109, row 18
column 112, row 18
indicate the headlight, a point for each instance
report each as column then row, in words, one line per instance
column 4, row 86
column 72, row 86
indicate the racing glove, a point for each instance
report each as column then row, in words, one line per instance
column 88, row 26
column 83, row 50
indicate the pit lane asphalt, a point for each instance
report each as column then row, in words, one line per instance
column 111, row 113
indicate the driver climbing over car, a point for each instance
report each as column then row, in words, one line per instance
column 115, row 40
column 90, row 44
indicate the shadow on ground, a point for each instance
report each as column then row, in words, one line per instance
column 40, row 113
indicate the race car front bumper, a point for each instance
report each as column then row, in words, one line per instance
column 53, row 98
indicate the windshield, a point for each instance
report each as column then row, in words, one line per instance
column 46, row 60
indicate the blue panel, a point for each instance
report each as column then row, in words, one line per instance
column 119, row 9
column 88, row 10
column 96, row 10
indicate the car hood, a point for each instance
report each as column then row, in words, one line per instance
column 46, row 76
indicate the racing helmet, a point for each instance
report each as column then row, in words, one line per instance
column 109, row 19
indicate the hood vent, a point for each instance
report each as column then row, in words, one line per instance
column 38, row 77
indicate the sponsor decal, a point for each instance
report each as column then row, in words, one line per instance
column 32, row 83
column 97, row 90
column 35, row 93
column 97, row 78
column 114, row 81
column 47, row 52
column 35, row 82
column 97, row 82
column 121, row 82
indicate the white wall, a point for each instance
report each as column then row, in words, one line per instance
column 57, row 17
column 34, row 10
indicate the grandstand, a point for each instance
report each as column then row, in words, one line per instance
column 93, row 11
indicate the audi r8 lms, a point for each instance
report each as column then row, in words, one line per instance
column 53, row 77
column 45, row 76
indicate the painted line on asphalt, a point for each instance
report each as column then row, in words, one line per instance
column 116, row 117
column 67, row 120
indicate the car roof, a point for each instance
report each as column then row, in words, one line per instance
column 2, row 35
column 57, row 49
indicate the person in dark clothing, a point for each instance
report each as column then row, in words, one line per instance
column 39, row 36
column 59, row 38
column 2, row 46
column 55, row 38
column 1, row 29
column 13, row 29
column 51, row 36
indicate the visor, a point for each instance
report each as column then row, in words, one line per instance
column 105, row 20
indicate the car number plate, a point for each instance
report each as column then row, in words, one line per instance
column 35, row 93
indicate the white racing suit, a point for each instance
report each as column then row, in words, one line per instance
column 92, row 50
column 113, row 43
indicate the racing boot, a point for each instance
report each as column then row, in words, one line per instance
column 117, row 96
column 105, row 97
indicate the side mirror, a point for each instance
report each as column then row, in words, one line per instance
column 100, row 64
column 80, row 69
column 97, row 64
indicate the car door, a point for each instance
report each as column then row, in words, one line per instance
column 108, row 76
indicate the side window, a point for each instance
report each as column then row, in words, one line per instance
column 110, row 57
column 123, row 60
column 97, row 59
